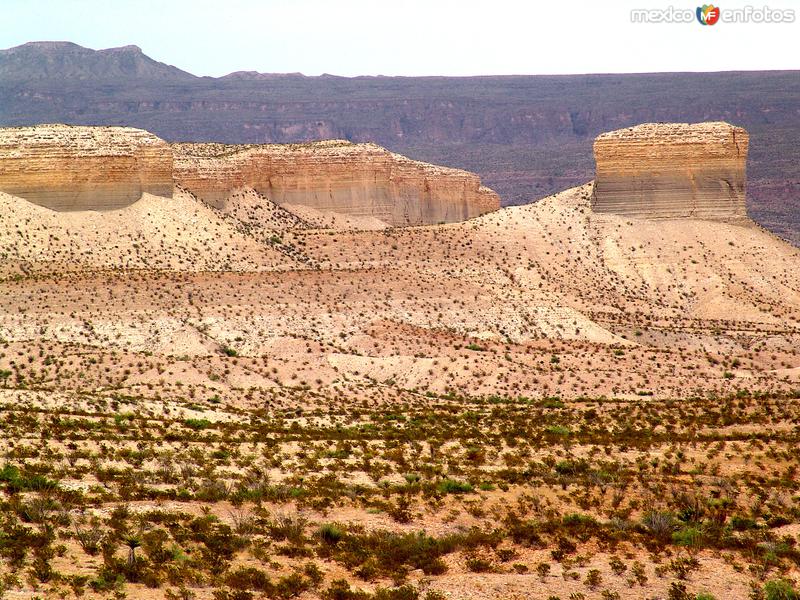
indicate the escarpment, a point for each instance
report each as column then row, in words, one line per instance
column 363, row 180
column 68, row 168
column 72, row 168
column 670, row 170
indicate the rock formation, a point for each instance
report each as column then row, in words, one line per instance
column 68, row 168
column 83, row 168
column 668, row 170
column 363, row 180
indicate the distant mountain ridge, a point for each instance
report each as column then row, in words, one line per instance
column 49, row 60
column 526, row 136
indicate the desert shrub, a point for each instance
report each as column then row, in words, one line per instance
column 477, row 564
column 617, row 566
column 385, row 553
column 570, row 467
column 89, row 536
column 16, row 541
column 404, row 592
column 553, row 402
column 543, row 569
column 212, row 490
column 452, row 486
column 507, row 554
column 225, row 594
column 593, row 579
column 106, row 581
column 688, row 536
column 290, row 586
column 341, row 590
column 659, row 524
column 287, row 527
column 153, row 543
column 17, row 481
column 182, row 593
column 739, row 523
column 682, row 566
column 248, row 578
column 520, row 568
column 558, row 430
column 780, row 589
column 220, row 545
column 677, row 591
column 331, row 533
column 401, row 511
column 523, row 532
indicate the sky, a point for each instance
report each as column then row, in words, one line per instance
column 411, row 37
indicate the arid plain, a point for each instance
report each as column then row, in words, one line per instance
column 247, row 397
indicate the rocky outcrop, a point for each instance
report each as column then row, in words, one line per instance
column 363, row 180
column 669, row 170
column 83, row 168
column 68, row 168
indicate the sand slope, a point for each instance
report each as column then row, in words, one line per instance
column 177, row 233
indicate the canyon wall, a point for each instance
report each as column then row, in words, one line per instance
column 356, row 179
column 669, row 170
column 69, row 168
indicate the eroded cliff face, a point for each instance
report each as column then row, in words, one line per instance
column 364, row 180
column 670, row 170
column 68, row 168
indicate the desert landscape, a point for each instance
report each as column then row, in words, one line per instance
column 325, row 370
column 527, row 136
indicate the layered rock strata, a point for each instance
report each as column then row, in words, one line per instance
column 68, row 168
column 363, row 180
column 670, row 170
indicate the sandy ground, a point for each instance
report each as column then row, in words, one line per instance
column 119, row 328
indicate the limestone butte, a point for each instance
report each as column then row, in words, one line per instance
column 669, row 170
column 363, row 180
column 69, row 168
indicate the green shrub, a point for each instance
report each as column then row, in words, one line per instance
column 558, row 430
column 780, row 589
column 478, row 565
column 688, row 536
column 248, row 578
column 739, row 523
column 452, row 486
column 331, row 533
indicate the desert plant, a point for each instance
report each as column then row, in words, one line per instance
column 780, row 589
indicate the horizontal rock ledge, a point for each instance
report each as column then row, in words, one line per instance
column 672, row 170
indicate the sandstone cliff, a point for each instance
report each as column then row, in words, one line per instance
column 83, row 168
column 668, row 170
column 363, row 180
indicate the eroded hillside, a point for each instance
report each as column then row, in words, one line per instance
column 249, row 399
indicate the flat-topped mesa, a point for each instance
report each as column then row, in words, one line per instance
column 671, row 170
column 68, row 168
column 336, row 175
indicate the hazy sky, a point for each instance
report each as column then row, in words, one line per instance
column 414, row 37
